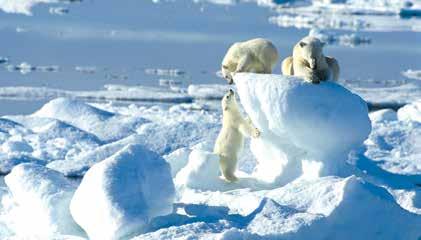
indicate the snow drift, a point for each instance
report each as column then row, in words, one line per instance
column 118, row 196
column 301, row 121
column 105, row 125
column 39, row 202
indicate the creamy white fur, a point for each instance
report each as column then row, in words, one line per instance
column 308, row 61
column 231, row 138
column 256, row 55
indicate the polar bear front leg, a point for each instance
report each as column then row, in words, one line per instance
column 302, row 70
column 333, row 67
column 287, row 68
column 244, row 63
column 247, row 128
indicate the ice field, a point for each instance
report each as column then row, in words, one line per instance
column 109, row 115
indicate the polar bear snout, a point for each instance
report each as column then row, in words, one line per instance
column 313, row 63
column 226, row 75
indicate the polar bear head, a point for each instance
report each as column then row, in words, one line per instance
column 230, row 62
column 229, row 102
column 310, row 49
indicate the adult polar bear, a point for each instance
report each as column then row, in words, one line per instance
column 256, row 55
column 308, row 61
column 230, row 139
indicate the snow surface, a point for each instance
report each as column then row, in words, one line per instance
column 118, row 196
column 297, row 120
column 38, row 204
column 395, row 142
column 373, row 194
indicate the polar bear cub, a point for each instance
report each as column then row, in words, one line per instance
column 231, row 138
column 257, row 55
column 308, row 61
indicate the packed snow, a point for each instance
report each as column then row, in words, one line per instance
column 38, row 203
column 322, row 168
column 118, row 196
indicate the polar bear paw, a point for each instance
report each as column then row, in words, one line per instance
column 313, row 79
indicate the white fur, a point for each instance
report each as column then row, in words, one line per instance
column 308, row 61
column 257, row 55
column 231, row 138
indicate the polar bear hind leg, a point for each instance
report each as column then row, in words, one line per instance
column 287, row 68
column 228, row 167
column 333, row 67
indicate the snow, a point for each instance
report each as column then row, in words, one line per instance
column 300, row 122
column 130, row 188
column 200, row 172
column 411, row 112
column 351, row 40
column 413, row 74
column 39, row 201
column 107, row 126
column 113, row 92
column 390, row 96
column 177, row 159
column 21, row 6
column 395, row 144
column 207, row 91
column 315, row 173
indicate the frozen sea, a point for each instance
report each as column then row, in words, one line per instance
column 95, row 43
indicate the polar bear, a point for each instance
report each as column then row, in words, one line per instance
column 231, row 138
column 257, row 55
column 308, row 61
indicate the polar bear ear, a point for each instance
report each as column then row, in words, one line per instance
column 302, row 44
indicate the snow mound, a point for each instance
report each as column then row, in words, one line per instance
column 129, row 188
column 202, row 172
column 105, row 125
column 77, row 167
column 159, row 136
column 178, row 159
column 299, row 120
column 357, row 205
column 39, row 202
column 383, row 115
column 410, row 112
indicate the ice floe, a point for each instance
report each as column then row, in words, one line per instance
column 413, row 74
column 25, row 68
column 21, row 6
column 345, row 39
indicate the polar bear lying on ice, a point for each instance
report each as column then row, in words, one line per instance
column 308, row 61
